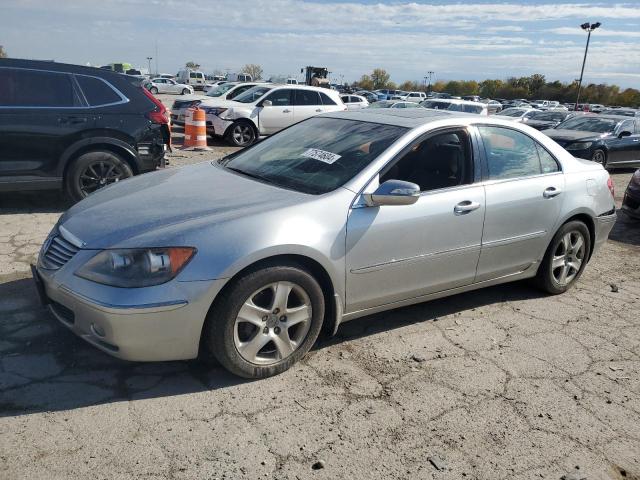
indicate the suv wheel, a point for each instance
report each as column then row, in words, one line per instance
column 565, row 259
column 266, row 321
column 241, row 134
column 94, row 170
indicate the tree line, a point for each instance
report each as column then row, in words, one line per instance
column 535, row 86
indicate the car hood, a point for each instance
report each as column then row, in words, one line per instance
column 167, row 201
column 571, row 135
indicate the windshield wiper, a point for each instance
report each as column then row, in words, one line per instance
column 249, row 174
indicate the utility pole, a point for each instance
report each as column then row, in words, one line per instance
column 149, row 62
column 430, row 73
column 588, row 28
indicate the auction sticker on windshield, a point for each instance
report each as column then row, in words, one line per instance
column 326, row 157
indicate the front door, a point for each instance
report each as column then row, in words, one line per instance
column 524, row 195
column 400, row 252
column 273, row 118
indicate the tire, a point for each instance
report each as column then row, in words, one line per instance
column 241, row 134
column 154, row 90
column 247, row 331
column 185, row 91
column 599, row 156
column 94, row 170
column 564, row 261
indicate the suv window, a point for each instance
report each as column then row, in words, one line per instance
column 307, row 97
column 34, row 88
column 510, row 154
column 96, row 91
column 326, row 99
column 280, row 98
column 440, row 161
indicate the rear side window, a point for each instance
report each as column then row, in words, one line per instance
column 34, row 88
column 307, row 97
column 98, row 92
column 547, row 162
column 510, row 154
column 326, row 100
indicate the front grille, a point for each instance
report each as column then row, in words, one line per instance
column 59, row 252
column 630, row 202
column 63, row 312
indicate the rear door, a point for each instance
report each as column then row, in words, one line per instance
column 524, row 195
column 306, row 104
column 279, row 114
column 41, row 112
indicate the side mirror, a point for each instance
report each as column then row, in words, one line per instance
column 267, row 103
column 624, row 133
column 393, row 192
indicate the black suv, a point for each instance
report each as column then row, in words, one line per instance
column 77, row 128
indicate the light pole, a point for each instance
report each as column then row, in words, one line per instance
column 430, row 73
column 149, row 61
column 589, row 27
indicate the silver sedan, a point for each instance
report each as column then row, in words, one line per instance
column 335, row 218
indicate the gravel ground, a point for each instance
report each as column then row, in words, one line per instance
column 502, row 383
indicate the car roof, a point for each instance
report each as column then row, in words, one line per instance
column 613, row 117
column 60, row 67
column 411, row 118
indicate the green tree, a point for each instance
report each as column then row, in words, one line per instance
column 489, row 88
column 254, row 70
column 365, row 82
column 3, row 53
column 410, row 86
column 380, row 78
column 192, row 64
column 536, row 82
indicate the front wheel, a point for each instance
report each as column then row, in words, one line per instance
column 94, row 170
column 241, row 134
column 266, row 321
column 599, row 156
column 154, row 90
column 185, row 91
column 565, row 258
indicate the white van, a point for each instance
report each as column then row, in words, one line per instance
column 195, row 78
column 239, row 77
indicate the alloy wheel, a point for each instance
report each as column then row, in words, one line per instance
column 599, row 157
column 100, row 174
column 272, row 323
column 242, row 134
column 568, row 258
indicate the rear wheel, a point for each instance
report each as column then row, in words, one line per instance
column 266, row 321
column 565, row 258
column 599, row 156
column 241, row 134
column 94, row 170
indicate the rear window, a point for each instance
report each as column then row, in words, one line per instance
column 35, row 88
column 97, row 92
column 326, row 100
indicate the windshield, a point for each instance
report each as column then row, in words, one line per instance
column 252, row 94
column 512, row 112
column 589, row 124
column 220, row 89
column 549, row 116
column 317, row 155
column 435, row 104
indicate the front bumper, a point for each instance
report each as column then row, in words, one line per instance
column 157, row 323
column 603, row 226
column 216, row 125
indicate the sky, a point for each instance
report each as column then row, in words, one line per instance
column 456, row 40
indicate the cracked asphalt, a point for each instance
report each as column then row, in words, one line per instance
column 501, row 383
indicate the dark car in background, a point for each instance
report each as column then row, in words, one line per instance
column 631, row 200
column 611, row 140
column 548, row 119
column 76, row 128
column 626, row 112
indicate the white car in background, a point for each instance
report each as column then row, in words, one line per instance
column 518, row 114
column 354, row 102
column 166, row 85
column 217, row 83
column 415, row 97
column 224, row 91
column 456, row 105
column 267, row 109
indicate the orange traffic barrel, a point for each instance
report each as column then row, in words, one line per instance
column 195, row 130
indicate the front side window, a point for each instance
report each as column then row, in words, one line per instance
column 509, row 153
column 34, row 88
column 280, row 98
column 441, row 161
column 96, row 91
column 317, row 155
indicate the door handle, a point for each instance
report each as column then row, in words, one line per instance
column 319, row 110
column 551, row 192
column 465, row 207
column 286, row 111
column 71, row 120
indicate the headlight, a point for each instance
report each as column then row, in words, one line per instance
column 578, row 146
column 214, row 110
column 133, row 268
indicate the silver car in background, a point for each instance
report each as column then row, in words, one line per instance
column 334, row 218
